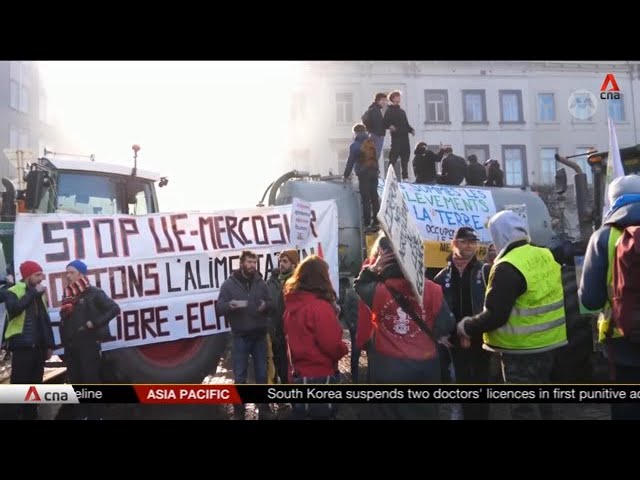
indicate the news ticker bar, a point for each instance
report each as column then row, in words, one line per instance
column 230, row 394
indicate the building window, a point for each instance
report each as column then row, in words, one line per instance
column 511, row 106
column 475, row 106
column 42, row 108
column 548, row 165
column 582, row 161
column 344, row 107
column 19, row 86
column 616, row 109
column 480, row 151
column 298, row 107
column 514, row 165
column 437, row 102
column 18, row 138
column 546, row 107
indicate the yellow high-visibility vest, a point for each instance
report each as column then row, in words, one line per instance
column 537, row 320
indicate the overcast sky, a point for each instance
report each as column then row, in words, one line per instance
column 218, row 130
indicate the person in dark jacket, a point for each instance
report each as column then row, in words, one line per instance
column 373, row 120
column 424, row 164
column 454, row 168
column 362, row 158
column 29, row 334
column 476, row 173
column 624, row 355
column 245, row 302
column 464, row 289
column 85, row 314
column 495, row 175
column 313, row 332
column 288, row 260
column 399, row 350
column 524, row 316
column 395, row 119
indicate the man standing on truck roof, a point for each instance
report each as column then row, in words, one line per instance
column 523, row 317
column 84, row 322
column 245, row 302
column 29, row 334
column 599, row 279
column 373, row 120
column 395, row 119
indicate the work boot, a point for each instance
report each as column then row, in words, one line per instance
column 238, row 412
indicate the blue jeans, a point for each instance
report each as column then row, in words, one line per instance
column 244, row 345
column 379, row 141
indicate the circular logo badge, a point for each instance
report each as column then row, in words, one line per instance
column 582, row 104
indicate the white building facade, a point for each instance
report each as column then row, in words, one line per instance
column 516, row 112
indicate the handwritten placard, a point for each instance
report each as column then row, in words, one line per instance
column 439, row 210
column 400, row 226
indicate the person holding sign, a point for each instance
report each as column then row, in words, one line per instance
column 245, row 302
column 403, row 343
column 523, row 317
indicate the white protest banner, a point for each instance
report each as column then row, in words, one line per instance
column 441, row 209
column 165, row 270
column 399, row 225
column 300, row 221
column 521, row 210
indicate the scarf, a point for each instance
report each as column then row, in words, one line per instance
column 71, row 294
column 460, row 263
column 283, row 277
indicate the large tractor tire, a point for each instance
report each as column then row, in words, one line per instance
column 182, row 361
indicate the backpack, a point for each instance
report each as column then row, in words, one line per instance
column 368, row 157
column 625, row 300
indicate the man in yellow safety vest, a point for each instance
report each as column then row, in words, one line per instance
column 523, row 317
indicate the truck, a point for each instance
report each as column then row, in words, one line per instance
column 82, row 186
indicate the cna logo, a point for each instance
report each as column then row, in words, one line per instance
column 609, row 89
column 583, row 104
column 38, row 394
column 32, row 395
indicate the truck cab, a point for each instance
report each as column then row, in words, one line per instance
column 86, row 187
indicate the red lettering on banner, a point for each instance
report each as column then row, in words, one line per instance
column 111, row 236
column 152, row 227
column 78, row 236
column 128, row 226
column 203, row 394
column 47, row 237
column 180, row 232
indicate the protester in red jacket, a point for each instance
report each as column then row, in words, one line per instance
column 313, row 332
column 402, row 345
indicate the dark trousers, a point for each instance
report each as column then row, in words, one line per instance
column 280, row 361
column 315, row 411
column 530, row 368
column 27, row 367
column 83, row 359
column 368, row 184
column 626, row 411
column 384, row 369
column 243, row 347
column 471, row 365
column 355, row 357
column 400, row 148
